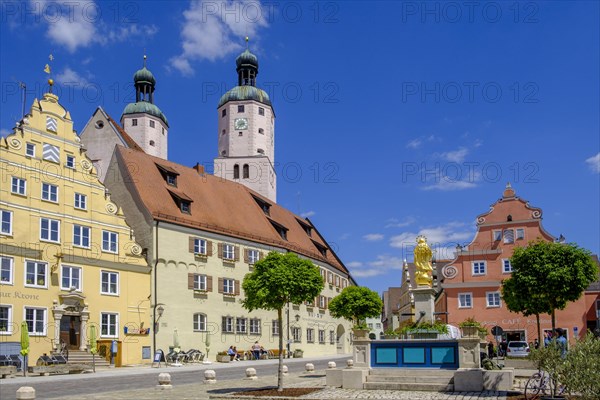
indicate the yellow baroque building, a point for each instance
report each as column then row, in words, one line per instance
column 68, row 258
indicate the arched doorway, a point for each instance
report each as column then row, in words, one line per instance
column 342, row 340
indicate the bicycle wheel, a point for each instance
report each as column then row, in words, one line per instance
column 536, row 387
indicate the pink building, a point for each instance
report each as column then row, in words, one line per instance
column 471, row 283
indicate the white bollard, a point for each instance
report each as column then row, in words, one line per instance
column 164, row 381
column 251, row 374
column 284, row 369
column 210, row 376
column 350, row 363
column 309, row 367
column 25, row 393
column 331, row 364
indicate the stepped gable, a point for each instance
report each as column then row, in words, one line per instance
column 218, row 205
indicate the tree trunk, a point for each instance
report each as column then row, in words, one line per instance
column 539, row 330
column 280, row 369
column 553, row 318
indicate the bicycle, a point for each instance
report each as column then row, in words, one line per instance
column 539, row 384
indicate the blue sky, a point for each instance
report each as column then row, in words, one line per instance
column 393, row 118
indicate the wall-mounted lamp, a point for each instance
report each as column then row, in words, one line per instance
column 297, row 317
column 159, row 310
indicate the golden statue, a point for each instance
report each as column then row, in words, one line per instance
column 422, row 252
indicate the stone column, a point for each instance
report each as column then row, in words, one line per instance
column 362, row 352
column 57, row 316
column 424, row 303
column 85, row 315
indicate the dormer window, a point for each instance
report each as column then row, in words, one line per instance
column 185, row 206
column 169, row 174
column 305, row 226
column 266, row 207
column 322, row 249
column 183, row 202
column 281, row 230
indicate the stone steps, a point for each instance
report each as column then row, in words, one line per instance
column 434, row 380
column 83, row 357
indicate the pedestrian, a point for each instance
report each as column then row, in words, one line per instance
column 257, row 350
column 562, row 342
column 547, row 338
column 490, row 349
column 237, row 355
column 231, row 353
column 536, row 344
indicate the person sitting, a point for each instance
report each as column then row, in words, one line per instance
column 237, row 355
column 232, row 353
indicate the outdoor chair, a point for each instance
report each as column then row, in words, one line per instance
column 58, row 359
column 15, row 360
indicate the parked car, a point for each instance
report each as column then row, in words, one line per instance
column 517, row 349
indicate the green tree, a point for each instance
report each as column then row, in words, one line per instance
column 356, row 303
column 546, row 276
column 279, row 279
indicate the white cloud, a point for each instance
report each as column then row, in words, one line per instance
column 307, row 214
column 414, row 144
column 354, row 264
column 388, row 262
column 396, row 223
column 79, row 24
column 456, row 156
column 446, row 183
column 345, row 236
column 438, row 237
column 373, row 237
column 70, row 77
column 212, row 30
column 594, row 163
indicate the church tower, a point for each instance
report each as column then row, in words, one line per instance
column 143, row 120
column 246, row 132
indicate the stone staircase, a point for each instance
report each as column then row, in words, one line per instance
column 433, row 380
column 83, row 357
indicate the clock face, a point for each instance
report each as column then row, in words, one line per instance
column 240, row 123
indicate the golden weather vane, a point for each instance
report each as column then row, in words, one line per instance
column 48, row 70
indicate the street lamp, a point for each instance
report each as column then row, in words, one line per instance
column 158, row 309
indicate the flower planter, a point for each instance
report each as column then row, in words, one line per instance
column 470, row 331
column 298, row 353
column 224, row 358
column 423, row 334
column 360, row 333
column 390, row 336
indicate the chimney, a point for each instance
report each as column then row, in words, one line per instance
column 199, row 169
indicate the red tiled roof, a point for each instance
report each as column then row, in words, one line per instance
column 219, row 206
column 128, row 140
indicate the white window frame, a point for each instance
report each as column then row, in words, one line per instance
column 497, row 235
column 506, row 238
column 321, row 334
column 199, row 322
column 321, row 301
column 521, row 236
column 36, row 320
column 9, row 320
column 462, row 300
column 253, row 256
column 241, row 325
column 49, row 192
column 30, row 151
column 7, row 264
column 70, row 162
column 50, row 229
column 80, row 201
column 109, row 324
column 71, row 268
column 254, row 326
column 200, row 282
column 80, row 242
column 109, row 291
column 494, row 296
column 112, row 240
column 228, row 251
column 275, row 327
column 296, row 334
column 505, row 263
column 18, row 186
column 36, row 273
column 3, row 222
column 310, row 335
column 200, row 246
column 332, row 337
column 228, row 286
column 227, row 324
column 481, row 266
